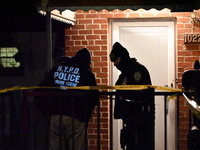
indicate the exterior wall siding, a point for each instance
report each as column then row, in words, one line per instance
column 92, row 31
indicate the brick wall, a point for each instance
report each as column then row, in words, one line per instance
column 92, row 31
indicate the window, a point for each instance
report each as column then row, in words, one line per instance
column 7, row 57
column 10, row 63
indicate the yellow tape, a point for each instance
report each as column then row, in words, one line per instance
column 116, row 87
column 193, row 106
column 195, row 110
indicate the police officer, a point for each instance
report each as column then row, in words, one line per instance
column 70, row 110
column 132, row 106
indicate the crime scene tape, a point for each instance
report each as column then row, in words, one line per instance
column 194, row 107
column 116, row 87
column 191, row 103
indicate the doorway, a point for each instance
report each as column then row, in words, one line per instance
column 152, row 43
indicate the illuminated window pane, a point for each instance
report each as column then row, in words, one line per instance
column 7, row 59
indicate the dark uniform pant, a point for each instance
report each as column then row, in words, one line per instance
column 138, row 133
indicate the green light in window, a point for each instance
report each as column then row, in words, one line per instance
column 7, row 57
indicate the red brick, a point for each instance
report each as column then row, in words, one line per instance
column 100, row 21
column 104, row 142
column 104, row 58
column 104, row 26
column 196, row 30
column 184, row 53
column 70, row 53
column 92, row 16
column 183, row 20
column 79, row 11
column 134, row 15
column 179, row 14
column 79, row 26
column 78, row 37
column 85, row 31
column 100, row 53
column 104, row 69
column 104, row 103
column 67, row 37
column 195, row 53
column 104, row 37
column 84, row 42
column 163, row 14
column 180, row 26
column 183, row 30
column 76, row 48
column 124, row 15
column 91, row 42
column 100, row 31
column 100, row 42
column 92, row 11
column 92, row 37
column 104, row 11
column 181, row 59
column 188, row 25
column 98, row 80
column 94, row 47
column 77, row 42
column 92, row 26
column 106, row 15
column 70, row 32
column 67, row 42
column 80, row 16
column 92, row 142
column 85, row 21
column 105, row 81
column 191, row 58
column 100, row 64
column 104, row 47
column 95, row 69
column 181, row 42
column 184, row 64
column 192, row 46
column 115, row 11
column 102, row 75
column 187, row 14
column 128, row 11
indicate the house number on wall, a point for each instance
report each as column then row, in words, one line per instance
column 191, row 38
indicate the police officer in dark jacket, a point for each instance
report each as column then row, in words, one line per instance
column 70, row 110
column 135, row 108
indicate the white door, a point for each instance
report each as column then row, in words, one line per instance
column 151, row 42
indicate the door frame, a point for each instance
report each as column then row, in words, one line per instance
column 171, row 23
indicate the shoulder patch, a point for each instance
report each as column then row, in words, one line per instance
column 137, row 76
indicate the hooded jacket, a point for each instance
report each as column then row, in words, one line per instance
column 73, row 72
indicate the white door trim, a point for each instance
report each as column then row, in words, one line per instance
column 168, row 22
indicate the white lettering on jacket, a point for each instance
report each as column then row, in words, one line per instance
column 67, row 76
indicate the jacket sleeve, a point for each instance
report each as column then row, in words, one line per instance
column 146, row 79
column 93, row 95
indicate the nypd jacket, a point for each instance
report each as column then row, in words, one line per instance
column 134, row 74
column 74, row 103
